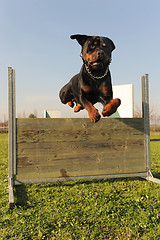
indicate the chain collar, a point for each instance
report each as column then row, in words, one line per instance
column 97, row 77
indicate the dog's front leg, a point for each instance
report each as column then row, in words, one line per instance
column 111, row 107
column 92, row 111
column 110, row 104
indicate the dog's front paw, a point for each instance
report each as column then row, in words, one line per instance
column 94, row 115
column 111, row 107
column 78, row 107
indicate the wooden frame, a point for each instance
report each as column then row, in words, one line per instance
column 48, row 150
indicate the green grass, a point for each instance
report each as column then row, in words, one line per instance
column 155, row 153
column 105, row 209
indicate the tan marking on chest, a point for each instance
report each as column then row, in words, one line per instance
column 104, row 89
column 87, row 88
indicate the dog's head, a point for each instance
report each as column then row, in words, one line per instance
column 96, row 51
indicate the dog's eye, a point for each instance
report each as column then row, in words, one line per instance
column 92, row 46
column 104, row 45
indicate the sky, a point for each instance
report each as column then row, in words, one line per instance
column 35, row 41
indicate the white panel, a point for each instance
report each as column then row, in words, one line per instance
column 125, row 93
column 52, row 113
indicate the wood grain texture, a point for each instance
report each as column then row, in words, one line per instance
column 52, row 148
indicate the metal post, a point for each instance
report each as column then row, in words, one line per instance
column 14, row 122
column 11, row 135
column 145, row 113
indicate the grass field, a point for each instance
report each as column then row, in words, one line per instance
column 105, row 209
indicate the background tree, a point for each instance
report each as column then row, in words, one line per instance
column 32, row 116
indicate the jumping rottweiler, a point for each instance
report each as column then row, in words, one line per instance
column 93, row 83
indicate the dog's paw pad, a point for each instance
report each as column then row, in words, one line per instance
column 94, row 116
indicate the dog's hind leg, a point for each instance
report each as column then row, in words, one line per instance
column 71, row 103
column 66, row 95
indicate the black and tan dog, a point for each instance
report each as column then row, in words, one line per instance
column 93, row 83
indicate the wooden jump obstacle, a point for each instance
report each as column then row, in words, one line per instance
column 48, row 150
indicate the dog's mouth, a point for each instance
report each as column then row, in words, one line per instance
column 97, row 65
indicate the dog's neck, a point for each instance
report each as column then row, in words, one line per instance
column 94, row 76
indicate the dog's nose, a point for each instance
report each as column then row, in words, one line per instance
column 99, row 54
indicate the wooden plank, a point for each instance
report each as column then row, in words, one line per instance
column 72, row 123
column 107, row 176
column 76, row 167
column 60, row 149
column 48, row 148
column 32, row 132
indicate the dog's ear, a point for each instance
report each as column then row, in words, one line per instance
column 81, row 39
column 110, row 43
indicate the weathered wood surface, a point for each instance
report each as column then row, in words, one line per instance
column 51, row 148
